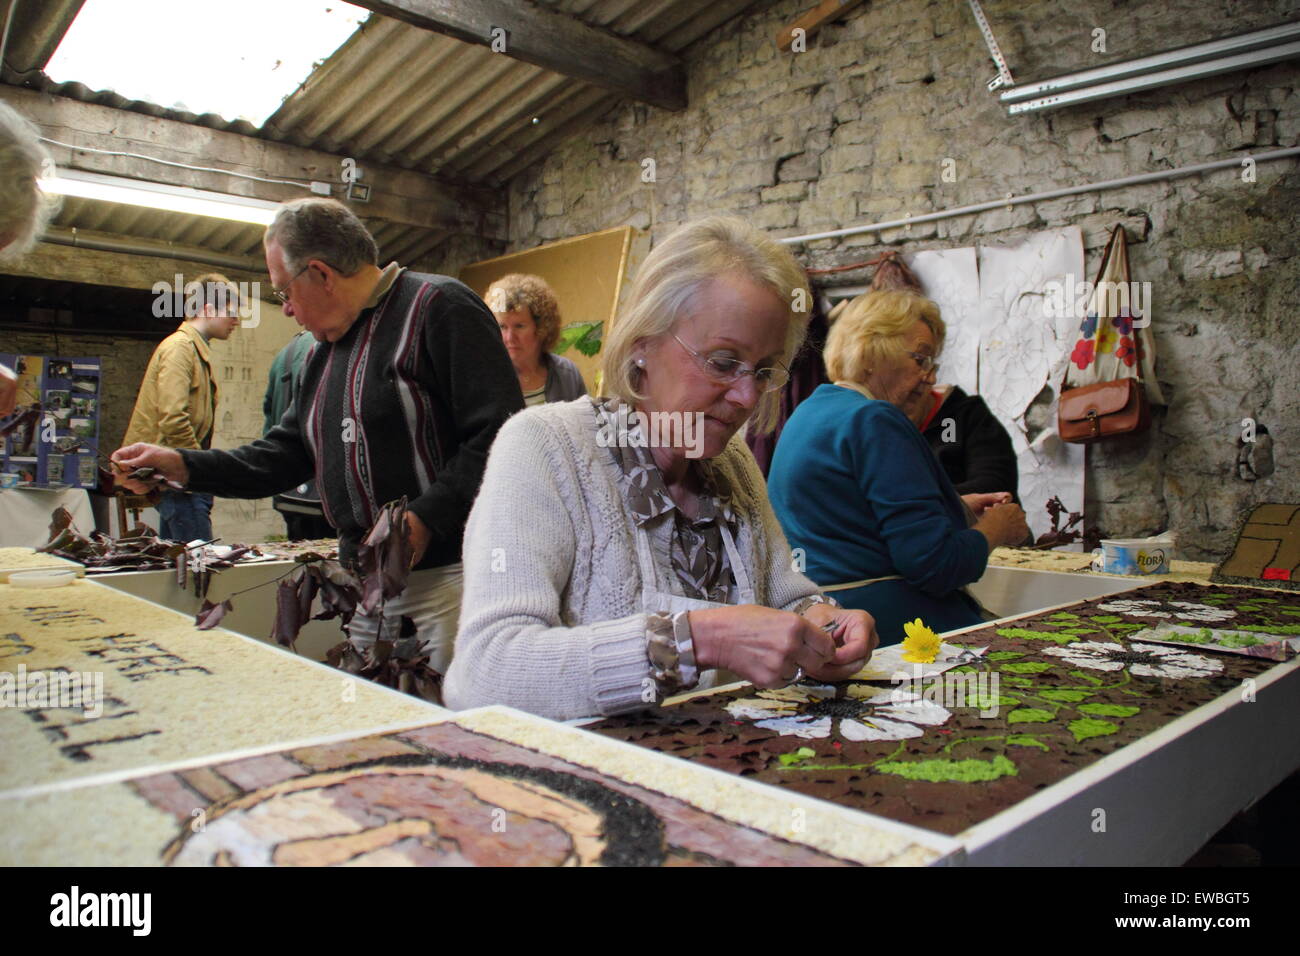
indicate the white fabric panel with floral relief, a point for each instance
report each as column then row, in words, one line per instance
column 1022, row 350
column 950, row 277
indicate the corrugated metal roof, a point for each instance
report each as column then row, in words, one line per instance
column 34, row 34
column 399, row 95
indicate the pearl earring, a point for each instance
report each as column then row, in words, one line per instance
column 640, row 363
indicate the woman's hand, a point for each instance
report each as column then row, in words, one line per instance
column 980, row 502
column 764, row 646
column 166, row 462
column 1003, row 525
column 855, row 635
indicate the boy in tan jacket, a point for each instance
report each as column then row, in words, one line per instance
column 177, row 404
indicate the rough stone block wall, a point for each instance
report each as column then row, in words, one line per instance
column 857, row 129
column 449, row 257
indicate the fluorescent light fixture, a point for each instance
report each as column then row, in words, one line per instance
column 139, row 192
column 1240, row 52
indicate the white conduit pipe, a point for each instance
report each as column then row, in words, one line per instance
column 1049, row 194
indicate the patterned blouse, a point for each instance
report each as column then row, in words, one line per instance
column 699, row 557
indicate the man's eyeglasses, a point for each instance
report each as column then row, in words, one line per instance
column 927, row 362
column 283, row 294
column 723, row 368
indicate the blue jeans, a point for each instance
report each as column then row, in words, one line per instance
column 185, row 517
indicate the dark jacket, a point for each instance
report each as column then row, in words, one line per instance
column 978, row 455
column 286, row 373
column 407, row 402
column 563, row 380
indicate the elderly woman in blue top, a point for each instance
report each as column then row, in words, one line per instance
column 857, row 488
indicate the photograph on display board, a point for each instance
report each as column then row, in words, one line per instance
column 21, row 442
column 86, row 473
column 56, row 398
column 65, row 444
column 83, row 407
column 28, row 368
column 54, row 470
column 86, row 384
column 59, row 369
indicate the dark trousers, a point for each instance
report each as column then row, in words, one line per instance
column 302, row 527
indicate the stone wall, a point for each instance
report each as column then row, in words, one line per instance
column 861, row 127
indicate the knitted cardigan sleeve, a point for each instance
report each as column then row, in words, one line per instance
column 520, row 546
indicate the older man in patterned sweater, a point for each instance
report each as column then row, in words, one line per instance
column 403, row 396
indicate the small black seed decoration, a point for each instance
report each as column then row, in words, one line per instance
column 847, row 707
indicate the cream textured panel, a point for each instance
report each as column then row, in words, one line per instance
column 491, row 787
column 167, row 691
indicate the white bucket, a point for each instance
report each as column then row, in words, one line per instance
column 1134, row 555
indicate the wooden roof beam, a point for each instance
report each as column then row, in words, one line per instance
column 396, row 195
column 549, row 39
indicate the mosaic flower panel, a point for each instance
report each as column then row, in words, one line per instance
column 1055, row 693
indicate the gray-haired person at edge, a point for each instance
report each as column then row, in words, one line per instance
column 402, row 396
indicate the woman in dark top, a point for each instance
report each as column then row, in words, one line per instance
column 971, row 445
column 529, row 317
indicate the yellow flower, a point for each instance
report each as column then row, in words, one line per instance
column 1106, row 339
column 921, row 646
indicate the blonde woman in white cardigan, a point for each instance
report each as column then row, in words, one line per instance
column 623, row 549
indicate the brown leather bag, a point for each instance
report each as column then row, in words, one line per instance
column 1107, row 408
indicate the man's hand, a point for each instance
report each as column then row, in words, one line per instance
column 854, row 635
column 417, row 535
column 980, row 502
column 166, row 463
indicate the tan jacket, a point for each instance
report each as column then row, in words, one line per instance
column 177, row 404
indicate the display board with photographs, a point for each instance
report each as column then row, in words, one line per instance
column 59, row 447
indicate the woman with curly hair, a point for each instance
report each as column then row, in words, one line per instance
column 529, row 317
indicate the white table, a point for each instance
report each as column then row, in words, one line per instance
column 25, row 514
column 254, row 610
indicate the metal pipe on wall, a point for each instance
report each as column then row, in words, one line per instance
column 1047, row 194
column 139, row 247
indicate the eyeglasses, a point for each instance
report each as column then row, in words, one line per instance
column 927, row 362
column 283, row 294
column 724, row 369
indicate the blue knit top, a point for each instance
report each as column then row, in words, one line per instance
column 857, row 488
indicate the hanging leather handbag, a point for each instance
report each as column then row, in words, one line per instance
column 1108, row 408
